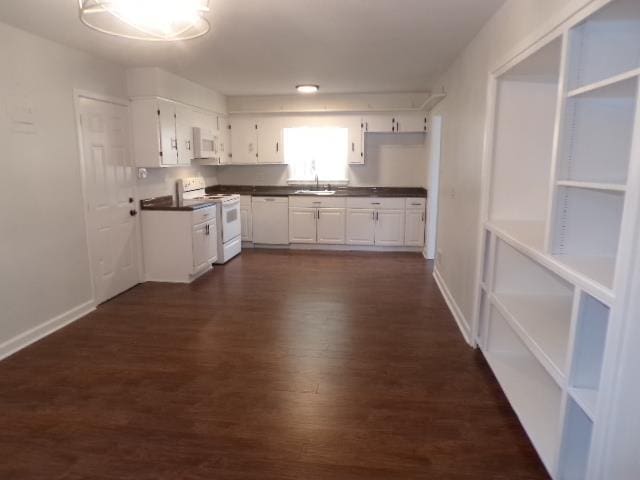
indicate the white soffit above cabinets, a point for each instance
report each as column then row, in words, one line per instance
column 259, row 47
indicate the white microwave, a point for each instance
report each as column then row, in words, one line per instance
column 207, row 144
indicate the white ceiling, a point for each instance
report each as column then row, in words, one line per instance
column 259, row 47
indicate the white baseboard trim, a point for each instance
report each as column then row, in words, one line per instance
column 463, row 325
column 25, row 339
column 332, row 248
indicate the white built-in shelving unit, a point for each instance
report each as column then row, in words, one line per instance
column 560, row 141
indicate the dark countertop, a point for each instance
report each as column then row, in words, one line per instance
column 168, row 203
column 285, row 191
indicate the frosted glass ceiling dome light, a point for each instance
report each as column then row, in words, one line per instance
column 307, row 88
column 152, row 20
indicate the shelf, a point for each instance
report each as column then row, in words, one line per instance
column 596, row 269
column 606, row 44
column 597, row 134
column 586, row 232
column 608, row 187
column 533, row 396
column 526, row 109
column 576, row 444
column 602, row 88
column 543, row 323
column 528, row 233
column 586, row 398
column 532, row 393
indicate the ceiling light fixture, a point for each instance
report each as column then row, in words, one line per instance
column 151, row 20
column 307, row 88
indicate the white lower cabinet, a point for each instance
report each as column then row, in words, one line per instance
column 415, row 222
column 361, row 226
column 205, row 245
column 390, row 228
column 317, row 220
column 331, row 226
column 246, row 221
column 178, row 246
column 302, row 225
column 376, row 221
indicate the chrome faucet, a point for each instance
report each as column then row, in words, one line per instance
column 317, row 182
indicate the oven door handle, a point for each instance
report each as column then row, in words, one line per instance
column 232, row 203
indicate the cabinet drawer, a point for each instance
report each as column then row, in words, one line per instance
column 378, row 203
column 416, row 203
column 317, row 202
column 203, row 215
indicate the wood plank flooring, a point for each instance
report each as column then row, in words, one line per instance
column 279, row 365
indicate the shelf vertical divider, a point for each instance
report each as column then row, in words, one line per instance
column 558, row 134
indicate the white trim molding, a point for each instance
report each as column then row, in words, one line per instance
column 462, row 322
column 38, row 332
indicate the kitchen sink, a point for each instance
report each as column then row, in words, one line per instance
column 315, row 192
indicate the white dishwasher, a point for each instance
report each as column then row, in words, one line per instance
column 270, row 220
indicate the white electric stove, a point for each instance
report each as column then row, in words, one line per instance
column 192, row 189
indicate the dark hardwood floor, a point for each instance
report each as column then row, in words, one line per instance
column 278, row 365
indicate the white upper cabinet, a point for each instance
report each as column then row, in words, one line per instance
column 163, row 132
column 244, row 140
column 379, row 123
column 154, row 133
column 411, row 122
column 185, row 119
column 355, row 154
column 270, row 140
column 400, row 122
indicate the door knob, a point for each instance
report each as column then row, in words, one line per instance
column 133, row 213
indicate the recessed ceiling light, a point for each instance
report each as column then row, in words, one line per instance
column 307, row 88
column 155, row 20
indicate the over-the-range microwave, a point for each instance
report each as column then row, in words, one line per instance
column 207, row 145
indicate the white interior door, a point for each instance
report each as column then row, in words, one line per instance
column 109, row 188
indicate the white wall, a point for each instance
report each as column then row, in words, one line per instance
column 44, row 262
column 517, row 24
column 391, row 161
column 162, row 181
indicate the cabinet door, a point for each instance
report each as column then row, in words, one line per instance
column 302, row 225
column 212, row 242
column 361, row 226
column 224, row 139
column 390, row 228
column 356, row 142
column 270, row 138
column 411, row 122
column 414, row 228
column 246, row 224
column 201, row 247
column 244, row 140
column 382, row 123
column 185, row 121
column 168, row 134
column 331, row 226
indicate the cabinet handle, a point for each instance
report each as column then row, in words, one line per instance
column 416, row 204
column 353, row 146
column 375, row 203
column 377, row 216
column 277, row 147
column 318, row 214
column 174, row 143
column 269, row 199
column 373, row 216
